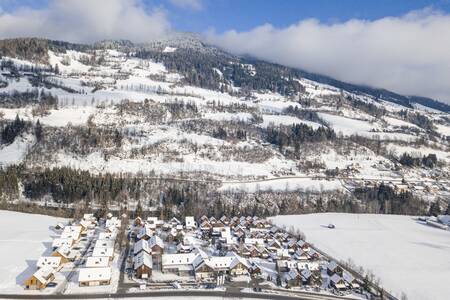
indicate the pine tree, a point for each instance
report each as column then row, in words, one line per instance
column 434, row 209
column 38, row 131
column 138, row 209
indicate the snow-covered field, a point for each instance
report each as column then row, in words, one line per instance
column 407, row 256
column 23, row 239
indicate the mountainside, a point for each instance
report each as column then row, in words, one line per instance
column 116, row 121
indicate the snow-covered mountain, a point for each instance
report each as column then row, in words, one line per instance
column 178, row 108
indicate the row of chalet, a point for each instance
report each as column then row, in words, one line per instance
column 62, row 253
column 204, row 267
column 239, row 244
column 146, row 252
column 97, row 269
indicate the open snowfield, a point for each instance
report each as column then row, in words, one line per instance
column 407, row 256
column 23, row 239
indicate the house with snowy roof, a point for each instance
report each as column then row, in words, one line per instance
column 71, row 232
column 181, row 263
column 40, row 279
column 350, row 280
column 337, row 282
column 189, row 223
column 104, row 243
column 293, row 278
column 141, row 245
column 64, row 253
column 143, row 265
column 52, row 261
column 97, row 262
column 334, row 268
column 58, row 242
column 94, row 276
column 103, row 251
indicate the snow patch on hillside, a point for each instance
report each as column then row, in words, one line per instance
column 16, row 151
column 284, row 184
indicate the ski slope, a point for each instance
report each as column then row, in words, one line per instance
column 407, row 256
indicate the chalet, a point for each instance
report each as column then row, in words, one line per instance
column 253, row 242
column 94, row 276
column 64, row 253
column 293, row 278
column 301, row 255
column 285, row 265
column 220, row 264
column 350, row 280
column 254, row 270
column 313, row 254
column 141, row 245
column 107, row 236
column 51, row 261
column 334, row 268
column 71, row 232
column 205, row 226
column 59, row 242
column 254, row 252
column 138, row 221
column 145, row 233
column 113, row 222
column 40, row 279
column 174, row 222
column 240, row 235
column 204, row 272
column 224, row 220
column 111, row 229
column 204, row 219
column 156, row 244
column 239, row 266
column 86, row 225
column 59, row 226
column 264, row 253
column 183, row 248
column 306, row 275
column 313, row 266
column 181, row 263
column 189, row 223
column 217, row 226
column 90, row 217
column 212, row 221
column 143, row 265
column 274, row 245
column 97, row 262
column 109, row 215
column 337, row 282
column 103, row 251
column 303, row 245
column 104, row 243
column 292, row 245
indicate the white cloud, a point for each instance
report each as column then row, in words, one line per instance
column 191, row 4
column 86, row 21
column 408, row 54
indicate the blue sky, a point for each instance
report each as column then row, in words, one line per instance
column 245, row 14
column 241, row 15
column 400, row 45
